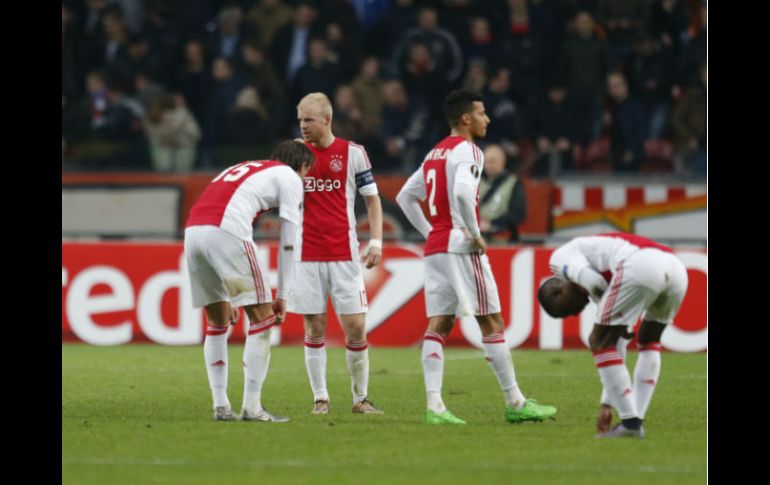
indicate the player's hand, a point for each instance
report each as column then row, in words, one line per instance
column 235, row 315
column 279, row 309
column 372, row 257
column 480, row 244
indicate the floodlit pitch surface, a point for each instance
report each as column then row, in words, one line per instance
column 142, row 414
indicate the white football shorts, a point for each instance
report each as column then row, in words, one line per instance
column 650, row 284
column 313, row 282
column 223, row 267
column 460, row 284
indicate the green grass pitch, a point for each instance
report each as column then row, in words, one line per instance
column 142, row 414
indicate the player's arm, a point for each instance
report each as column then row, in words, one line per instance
column 291, row 196
column 368, row 190
column 465, row 196
column 408, row 199
column 569, row 263
column 285, row 266
column 373, row 253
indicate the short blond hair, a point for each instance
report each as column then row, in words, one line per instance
column 317, row 99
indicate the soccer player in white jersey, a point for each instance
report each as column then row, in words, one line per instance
column 327, row 257
column 628, row 276
column 225, row 274
column 458, row 277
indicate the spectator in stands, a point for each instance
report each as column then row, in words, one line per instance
column 628, row 124
column 226, row 39
column 290, row 45
column 72, row 62
column 166, row 37
column 650, row 79
column 93, row 34
column 667, row 24
column 520, row 49
column 105, row 129
column 267, row 17
column 147, row 89
column 504, row 127
column 348, row 121
column 140, row 59
column 367, row 88
column 401, row 17
column 345, row 48
column 173, row 134
column 443, row 46
column 319, row 75
column 689, row 122
column 694, row 52
column 227, row 85
column 115, row 44
column 423, row 79
column 554, row 129
column 502, row 201
column 405, row 129
column 476, row 77
column 257, row 70
column 583, row 63
column 248, row 121
column 624, row 21
column 194, row 79
column 480, row 45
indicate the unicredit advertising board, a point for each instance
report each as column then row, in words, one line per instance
column 116, row 293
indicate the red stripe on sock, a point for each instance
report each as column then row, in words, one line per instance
column 655, row 346
column 435, row 339
column 609, row 363
column 357, row 349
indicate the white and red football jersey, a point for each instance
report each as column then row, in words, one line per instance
column 237, row 196
column 452, row 161
column 328, row 230
column 602, row 253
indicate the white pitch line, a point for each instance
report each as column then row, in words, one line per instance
column 254, row 464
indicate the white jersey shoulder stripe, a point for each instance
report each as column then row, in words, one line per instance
column 363, row 151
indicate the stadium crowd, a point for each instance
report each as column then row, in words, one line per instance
column 569, row 85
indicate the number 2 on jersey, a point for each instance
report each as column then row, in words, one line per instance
column 431, row 181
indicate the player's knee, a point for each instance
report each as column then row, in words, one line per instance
column 650, row 332
column 218, row 313
column 315, row 325
column 603, row 336
column 259, row 312
column 441, row 325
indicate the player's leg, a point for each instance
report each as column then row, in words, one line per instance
column 307, row 297
column 441, row 304
column 432, row 358
column 204, row 249
column 256, row 361
column 357, row 360
column 647, row 368
column 219, row 315
column 620, row 307
column 315, row 360
column 348, row 295
column 659, row 314
column 498, row 355
column 496, row 352
column 604, row 418
column 613, row 373
column 475, row 283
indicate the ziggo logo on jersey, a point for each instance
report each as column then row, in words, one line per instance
column 320, row 185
